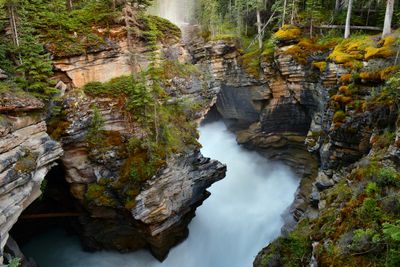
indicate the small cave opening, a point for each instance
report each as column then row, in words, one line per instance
column 213, row 115
column 233, row 125
column 55, row 209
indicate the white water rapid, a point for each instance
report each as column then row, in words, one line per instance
column 240, row 217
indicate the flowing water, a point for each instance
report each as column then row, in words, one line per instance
column 241, row 216
column 177, row 11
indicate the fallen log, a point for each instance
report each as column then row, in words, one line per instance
column 50, row 215
column 367, row 28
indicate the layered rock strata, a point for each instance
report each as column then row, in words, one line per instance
column 26, row 155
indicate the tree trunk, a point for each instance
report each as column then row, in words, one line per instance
column 247, row 15
column 69, row 5
column 284, row 12
column 387, row 27
column 337, row 6
column 348, row 20
column 293, row 12
column 14, row 29
column 13, row 24
column 368, row 13
column 259, row 25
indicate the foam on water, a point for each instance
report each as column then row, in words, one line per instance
column 241, row 216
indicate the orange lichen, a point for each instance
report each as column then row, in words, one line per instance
column 370, row 76
column 381, row 52
column 341, row 99
column 350, row 51
column 346, row 78
column 306, row 47
column 344, row 90
column 384, row 49
column 388, row 72
column 379, row 76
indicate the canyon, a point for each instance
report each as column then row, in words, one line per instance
column 280, row 108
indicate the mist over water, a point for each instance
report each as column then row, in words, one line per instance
column 241, row 216
column 177, row 11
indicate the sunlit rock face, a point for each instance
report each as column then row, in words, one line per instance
column 101, row 66
column 26, row 155
column 114, row 59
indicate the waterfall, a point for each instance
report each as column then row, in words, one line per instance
column 241, row 216
column 179, row 12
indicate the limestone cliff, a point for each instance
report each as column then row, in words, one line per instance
column 26, row 155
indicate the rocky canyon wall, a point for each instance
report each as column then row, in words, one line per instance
column 26, row 155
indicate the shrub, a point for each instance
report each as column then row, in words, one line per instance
column 95, row 88
column 388, row 176
column 392, row 230
column 93, row 135
column 372, row 189
column 269, row 49
column 14, row 262
column 369, row 210
column 364, row 239
column 100, row 196
column 251, row 62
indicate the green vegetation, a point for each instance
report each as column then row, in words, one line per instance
column 237, row 19
column 68, row 28
column 358, row 227
column 14, row 262
column 165, row 129
column 93, row 136
column 292, row 251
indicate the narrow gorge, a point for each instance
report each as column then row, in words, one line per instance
column 197, row 134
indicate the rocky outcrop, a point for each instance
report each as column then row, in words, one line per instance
column 158, row 216
column 113, row 60
column 348, row 128
column 270, row 105
column 164, row 208
column 26, row 155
